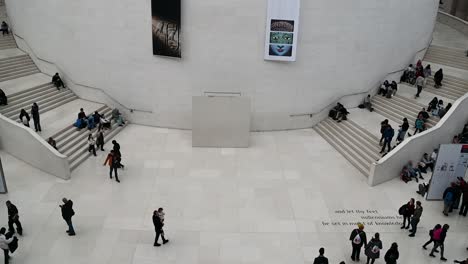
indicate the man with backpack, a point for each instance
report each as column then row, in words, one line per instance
column 439, row 236
column 388, row 134
column 358, row 239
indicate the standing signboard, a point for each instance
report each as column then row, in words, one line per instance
column 451, row 163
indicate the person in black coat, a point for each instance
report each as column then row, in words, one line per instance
column 13, row 218
column 24, row 117
column 57, row 81
column 438, row 77
column 392, row 254
column 321, row 259
column 35, row 116
column 3, row 98
column 67, row 214
column 158, row 227
column 358, row 239
column 118, row 154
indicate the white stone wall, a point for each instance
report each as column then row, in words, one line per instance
column 344, row 47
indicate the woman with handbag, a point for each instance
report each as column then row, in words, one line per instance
column 373, row 249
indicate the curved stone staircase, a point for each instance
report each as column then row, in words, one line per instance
column 70, row 141
column 359, row 146
column 451, row 57
column 16, row 67
column 7, row 41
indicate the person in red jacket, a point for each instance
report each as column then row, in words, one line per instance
column 113, row 164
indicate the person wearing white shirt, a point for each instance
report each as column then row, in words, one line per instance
column 4, row 244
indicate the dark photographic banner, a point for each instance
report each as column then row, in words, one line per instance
column 166, row 27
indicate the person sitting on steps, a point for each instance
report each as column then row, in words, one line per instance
column 57, row 81
column 3, row 98
column 5, row 28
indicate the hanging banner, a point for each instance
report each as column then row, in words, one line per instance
column 3, row 187
column 452, row 161
column 166, row 27
column 282, row 30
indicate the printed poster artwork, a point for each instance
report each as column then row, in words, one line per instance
column 166, row 27
column 281, row 37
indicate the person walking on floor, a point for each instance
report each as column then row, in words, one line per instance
column 24, row 117
column 407, row 210
column 439, row 239
column 373, row 249
column 4, row 244
column 321, row 259
column 392, row 254
column 100, row 140
column 13, row 218
column 118, row 154
column 113, row 165
column 67, row 214
column 35, row 116
column 388, row 134
column 358, row 239
column 158, row 227
column 419, row 84
column 416, row 218
column 431, row 236
column 91, row 144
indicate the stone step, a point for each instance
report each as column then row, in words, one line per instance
column 19, row 74
column 347, row 152
column 69, row 144
column 52, row 94
column 80, row 156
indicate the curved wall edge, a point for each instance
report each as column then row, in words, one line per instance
column 102, row 45
column 23, row 143
column 453, row 22
column 413, row 148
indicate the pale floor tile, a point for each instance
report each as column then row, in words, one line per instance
column 7, row 53
column 227, row 209
column 23, row 83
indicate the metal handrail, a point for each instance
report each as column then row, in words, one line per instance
column 77, row 83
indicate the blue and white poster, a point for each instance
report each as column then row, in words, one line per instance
column 282, row 29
